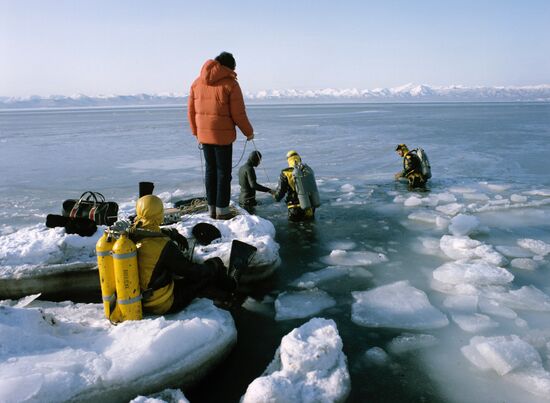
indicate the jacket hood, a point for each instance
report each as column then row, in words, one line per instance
column 254, row 158
column 212, row 72
column 149, row 213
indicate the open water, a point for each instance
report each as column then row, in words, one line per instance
column 490, row 151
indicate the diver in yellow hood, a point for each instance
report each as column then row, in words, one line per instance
column 160, row 261
column 297, row 182
column 412, row 167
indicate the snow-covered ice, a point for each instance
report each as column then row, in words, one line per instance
column 66, row 351
column 356, row 258
column 309, row 366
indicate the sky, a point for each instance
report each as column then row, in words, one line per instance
column 135, row 46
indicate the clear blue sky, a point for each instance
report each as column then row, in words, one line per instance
column 131, row 46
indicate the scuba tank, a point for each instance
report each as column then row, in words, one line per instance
column 103, row 249
column 306, row 187
column 424, row 162
column 127, row 278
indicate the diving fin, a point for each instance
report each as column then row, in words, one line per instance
column 241, row 255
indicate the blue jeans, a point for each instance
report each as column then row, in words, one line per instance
column 218, row 174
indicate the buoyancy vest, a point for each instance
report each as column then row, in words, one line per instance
column 156, row 301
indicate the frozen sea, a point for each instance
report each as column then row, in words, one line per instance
column 441, row 295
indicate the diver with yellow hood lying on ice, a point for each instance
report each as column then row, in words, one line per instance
column 168, row 279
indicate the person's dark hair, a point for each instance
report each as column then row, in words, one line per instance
column 226, row 59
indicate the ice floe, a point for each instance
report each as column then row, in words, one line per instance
column 409, row 342
column 309, row 366
column 166, row 396
column 340, row 257
column 376, row 355
column 476, row 272
column 463, row 247
column 512, row 358
column 397, row 305
column 315, row 278
column 301, row 304
column 536, row 246
column 463, row 224
column 65, row 351
column 474, row 323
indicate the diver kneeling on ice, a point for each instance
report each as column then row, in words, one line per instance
column 416, row 166
column 168, row 279
column 249, row 185
column 297, row 182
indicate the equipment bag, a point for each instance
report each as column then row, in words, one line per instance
column 424, row 162
column 91, row 205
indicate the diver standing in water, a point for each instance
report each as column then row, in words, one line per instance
column 297, row 182
column 416, row 167
column 248, row 183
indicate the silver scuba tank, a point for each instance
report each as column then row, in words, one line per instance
column 304, row 178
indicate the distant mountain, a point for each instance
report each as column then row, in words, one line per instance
column 405, row 93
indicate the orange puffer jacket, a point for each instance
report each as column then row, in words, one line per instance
column 216, row 105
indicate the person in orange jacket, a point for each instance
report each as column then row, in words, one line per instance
column 215, row 107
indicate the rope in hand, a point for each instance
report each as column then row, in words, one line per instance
column 241, row 158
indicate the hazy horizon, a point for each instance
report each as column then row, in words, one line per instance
column 130, row 47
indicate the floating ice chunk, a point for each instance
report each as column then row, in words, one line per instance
column 534, row 380
column 462, row 189
column 377, row 356
column 309, row 366
column 475, row 196
column 445, row 197
column 463, row 247
column 360, row 258
column 166, row 396
column 347, row 188
column 475, row 272
column 491, row 307
column 454, row 289
column 429, row 245
column 496, row 187
column 463, row 224
column 450, row 209
column 262, row 307
column 342, row 245
column 458, row 247
column 397, row 305
column 399, row 199
column 301, row 304
column 487, row 253
column 429, row 217
column 536, row 246
column 513, row 251
column 463, row 303
column 524, row 263
column 503, row 353
column 518, row 198
column 314, row 278
column 538, row 192
column 409, row 342
column 527, row 298
column 413, row 201
column 474, row 323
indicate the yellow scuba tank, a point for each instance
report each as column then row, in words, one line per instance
column 127, row 278
column 103, row 250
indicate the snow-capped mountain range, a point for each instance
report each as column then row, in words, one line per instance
column 405, row 93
